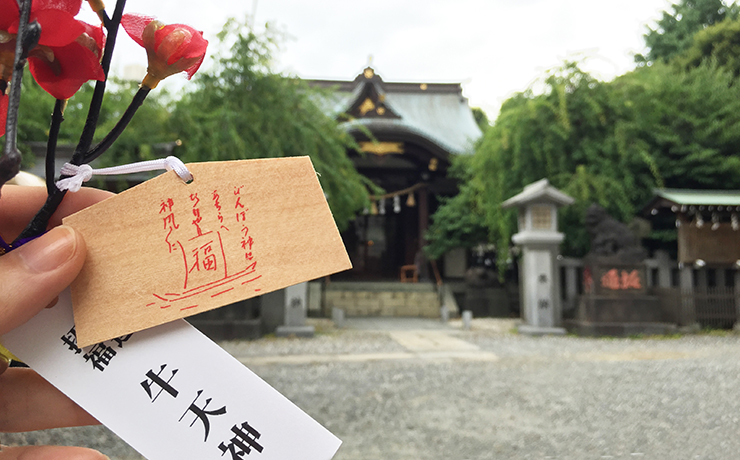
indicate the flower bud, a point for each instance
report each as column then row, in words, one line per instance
column 170, row 48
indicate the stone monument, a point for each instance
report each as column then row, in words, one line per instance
column 616, row 300
column 539, row 240
column 284, row 312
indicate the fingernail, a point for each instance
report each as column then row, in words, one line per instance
column 49, row 251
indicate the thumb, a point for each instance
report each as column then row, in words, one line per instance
column 49, row 453
column 32, row 276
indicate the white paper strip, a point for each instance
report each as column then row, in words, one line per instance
column 170, row 392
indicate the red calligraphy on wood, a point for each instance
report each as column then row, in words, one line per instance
column 207, row 264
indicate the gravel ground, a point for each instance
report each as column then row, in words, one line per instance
column 547, row 397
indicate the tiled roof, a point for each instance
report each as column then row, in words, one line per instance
column 436, row 111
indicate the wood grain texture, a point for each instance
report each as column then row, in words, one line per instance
column 165, row 249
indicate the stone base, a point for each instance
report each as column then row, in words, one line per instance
column 586, row 329
column 295, row 331
column 526, row 329
column 628, row 308
column 383, row 299
column 487, row 301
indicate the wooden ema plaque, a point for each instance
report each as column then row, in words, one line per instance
column 165, row 249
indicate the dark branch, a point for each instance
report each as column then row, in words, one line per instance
column 27, row 38
column 105, row 19
column 106, row 143
column 93, row 113
column 40, row 222
column 57, row 117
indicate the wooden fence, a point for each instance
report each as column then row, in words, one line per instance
column 714, row 307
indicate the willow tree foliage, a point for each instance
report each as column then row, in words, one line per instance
column 242, row 109
column 458, row 222
column 564, row 134
column 608, row 143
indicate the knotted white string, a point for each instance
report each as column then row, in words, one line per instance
column 83, row 173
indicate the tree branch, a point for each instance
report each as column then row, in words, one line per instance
column 97, row 100
column 27, row 38
column 57, row 118
column 40, row 222
column 106, row 143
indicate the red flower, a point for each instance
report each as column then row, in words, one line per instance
column 7, row 50
column 3, row 112
column 62, row 70
column 68, row 52
column 170, row 49
column 56, row 18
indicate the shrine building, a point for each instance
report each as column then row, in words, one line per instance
column 407, row 133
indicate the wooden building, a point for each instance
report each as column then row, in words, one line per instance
column 707, row 222
column 414, row 130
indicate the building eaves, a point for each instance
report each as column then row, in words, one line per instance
column 690, row 197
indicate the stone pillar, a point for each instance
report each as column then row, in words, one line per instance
column 688, row 311
column 665, row 265
column 539, row 240
column 540, row 293
column 285, row 311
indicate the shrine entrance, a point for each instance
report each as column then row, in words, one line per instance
column 406, row 134
column 380, row 244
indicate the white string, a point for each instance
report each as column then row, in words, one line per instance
column 83, row 173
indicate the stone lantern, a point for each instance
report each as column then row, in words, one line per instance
column 539, row 240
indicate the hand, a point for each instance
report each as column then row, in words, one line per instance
column 31, row 278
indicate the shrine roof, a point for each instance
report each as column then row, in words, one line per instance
column 436, row 111
column 686, row 197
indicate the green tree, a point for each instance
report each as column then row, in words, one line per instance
column 720, row 42
column 609, row 143
column 34, row 116
column 481, row 119
column 138, row 142
column 148, row 136
column 565, row 135
column 686, row 122
column 242, row 109
column 675, row 30
column 458, row 222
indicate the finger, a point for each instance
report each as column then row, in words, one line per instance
column 17, row 207
column 19, row 204
column 76, row 201
column 29, row 403
column 50, row 453
column 46, row 265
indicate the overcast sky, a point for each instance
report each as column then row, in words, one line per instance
column 493, row 47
